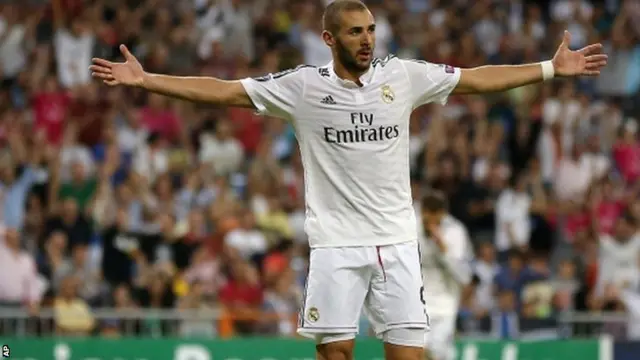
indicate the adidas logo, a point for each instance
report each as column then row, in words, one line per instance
column 328, row 100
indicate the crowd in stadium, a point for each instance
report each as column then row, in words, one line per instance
column 126, row 200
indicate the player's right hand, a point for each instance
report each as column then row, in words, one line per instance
column 129, row 73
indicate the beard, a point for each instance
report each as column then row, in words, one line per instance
column 349, row 61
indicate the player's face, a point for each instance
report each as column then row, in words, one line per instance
column 355, row 42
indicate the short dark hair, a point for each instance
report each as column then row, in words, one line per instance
column 331, row 16
column 434, row 201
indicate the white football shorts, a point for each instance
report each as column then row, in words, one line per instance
column 386, row 279
column 440, row 339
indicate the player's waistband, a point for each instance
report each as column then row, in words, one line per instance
column 315, row 245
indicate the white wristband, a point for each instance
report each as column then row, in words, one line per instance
column 548, row 71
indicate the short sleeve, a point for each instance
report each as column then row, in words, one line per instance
column 430, row 82
column 277, row 94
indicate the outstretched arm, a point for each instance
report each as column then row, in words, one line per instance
column 197, row 89
column 584, row 62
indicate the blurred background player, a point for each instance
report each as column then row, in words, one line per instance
column 446, row 254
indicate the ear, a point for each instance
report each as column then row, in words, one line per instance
column 328, row 38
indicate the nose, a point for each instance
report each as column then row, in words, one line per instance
column 367, row 39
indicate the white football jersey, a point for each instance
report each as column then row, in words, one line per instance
column 354, row 144
column 445, row 274
column 619, row 263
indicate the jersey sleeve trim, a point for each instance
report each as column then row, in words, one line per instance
column 452, row 85
column 247, row 83
column 441, row 97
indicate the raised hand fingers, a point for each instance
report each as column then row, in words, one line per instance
column 103, row 76
column 591, row 49
column 591, row 73
column 101, row 72
column 102, row 62
column 100, row 69
column 126, row 53
column 597, row 58
column 595, row 62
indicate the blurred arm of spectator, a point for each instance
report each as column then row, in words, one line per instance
column 144, row 270
column 605, row 300
column 39, row 70
column 17, row 144
column 31, row 28
column 435, row 144
column 104, row 205
column 620, row 27
column 634, row 191
column 481, row 136
column 187, row 195
column 17, row 187
column 593, row 204
column 55, row 162
column 539, row 201
column 547, row 150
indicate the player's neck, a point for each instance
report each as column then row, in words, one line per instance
column 345, row 74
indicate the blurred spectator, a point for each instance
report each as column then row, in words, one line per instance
column 74, row 40
column 513, row 226
column 196, row 300
column 626, row 152
column 221, row 151
column 619, row 258
column 72, row 223
column 485, row 268
column 20, row 283
column 505, row 317
column 283, row 300
column 124, row 304
column 72, row 314
column 243, row 297
column 151, row 159
column 246, row 241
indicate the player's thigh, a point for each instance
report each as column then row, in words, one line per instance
column 439, row 340
column 401, row 352
column 395, row 299
column 337, row 285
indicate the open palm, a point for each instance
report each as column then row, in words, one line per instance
column 587, row 61
column 128, row 73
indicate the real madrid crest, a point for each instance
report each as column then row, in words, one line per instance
column 387, row 94
column 313, row 315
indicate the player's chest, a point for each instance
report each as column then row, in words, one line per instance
column 382, row 104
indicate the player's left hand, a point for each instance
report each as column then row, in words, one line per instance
column 587, row 61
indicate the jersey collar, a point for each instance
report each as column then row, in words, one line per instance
column 365, row 79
